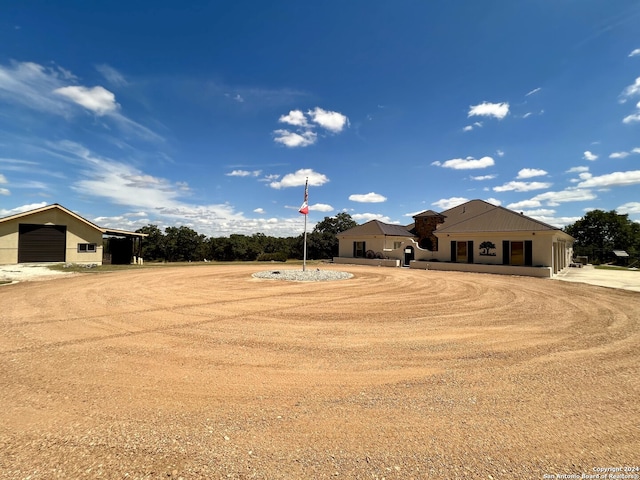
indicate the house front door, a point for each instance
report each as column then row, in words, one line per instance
column 408, row 256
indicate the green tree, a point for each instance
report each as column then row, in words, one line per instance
column 335, row 225
column 323, row 242
column 153, row 246
column 182, row 244
column 600, row 232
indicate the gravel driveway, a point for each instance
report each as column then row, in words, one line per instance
column 207, row 372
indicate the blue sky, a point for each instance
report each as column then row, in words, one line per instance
column 213, row 115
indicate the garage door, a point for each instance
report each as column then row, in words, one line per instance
column 41, row 243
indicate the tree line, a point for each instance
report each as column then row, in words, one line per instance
column 596, row 235
column 599, row 233
column 183, row 244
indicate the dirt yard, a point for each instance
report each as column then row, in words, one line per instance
column 206, row 372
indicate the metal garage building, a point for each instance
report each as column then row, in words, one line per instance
column 56, row 234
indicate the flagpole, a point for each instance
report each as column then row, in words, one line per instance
column 304, row 253
column 304, row 209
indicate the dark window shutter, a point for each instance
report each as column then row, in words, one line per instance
column 506, row 254
column 454, row 251
column 528, row 253
column 470, row 251
column 364, row 249
column 354, row 249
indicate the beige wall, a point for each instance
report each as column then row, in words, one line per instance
column 378, row 243
column 365, row 261
column 541, row 243
column 551, row 249
column 77, row 232
column 540, row 272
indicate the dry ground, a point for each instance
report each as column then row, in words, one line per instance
column 206, row 372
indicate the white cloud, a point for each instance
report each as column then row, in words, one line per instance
column 46, row 89
column 259, row 211
column 484, row 177
column 111, row 75
column 293, row 139
column 500, row 153
column 630, row 91
column 540, row 211
column 3, row 179
column 615, row 179
column 97, row 99
column 466, row 163
column 306, row 135
column 494, row 201
column 555, row 221
column 578, row 169
column 631, row 118
column 31, row 85
column 320, row 207
column 486, row 109
column 524, row 204
column 447, row 203
column 521, row 186
column 535, row 90
column 589, row 156
column 636, row 150
column 244, row 173
column 333, row 121
column 635, row 52
column 295, row 117
column 570, row 195
column 270, row 178
column 370, row 197
column 468, row 128
column 121, row 183
column 619, row 155
column 531, row 172
column 299, row 178
column 630, row 208
column 24, row 208
column 365, row 217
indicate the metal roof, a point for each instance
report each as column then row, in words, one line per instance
column 474, row 216
column 480, row 216
column 376, row 227
column 56, row 206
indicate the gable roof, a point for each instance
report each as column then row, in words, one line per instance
column 376, row 227
column 474, row 216
column 428, row 213
column 480, row 216
column 56, row 206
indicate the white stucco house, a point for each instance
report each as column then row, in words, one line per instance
column 474, row 237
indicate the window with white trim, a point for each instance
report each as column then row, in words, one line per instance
column 87, row 247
